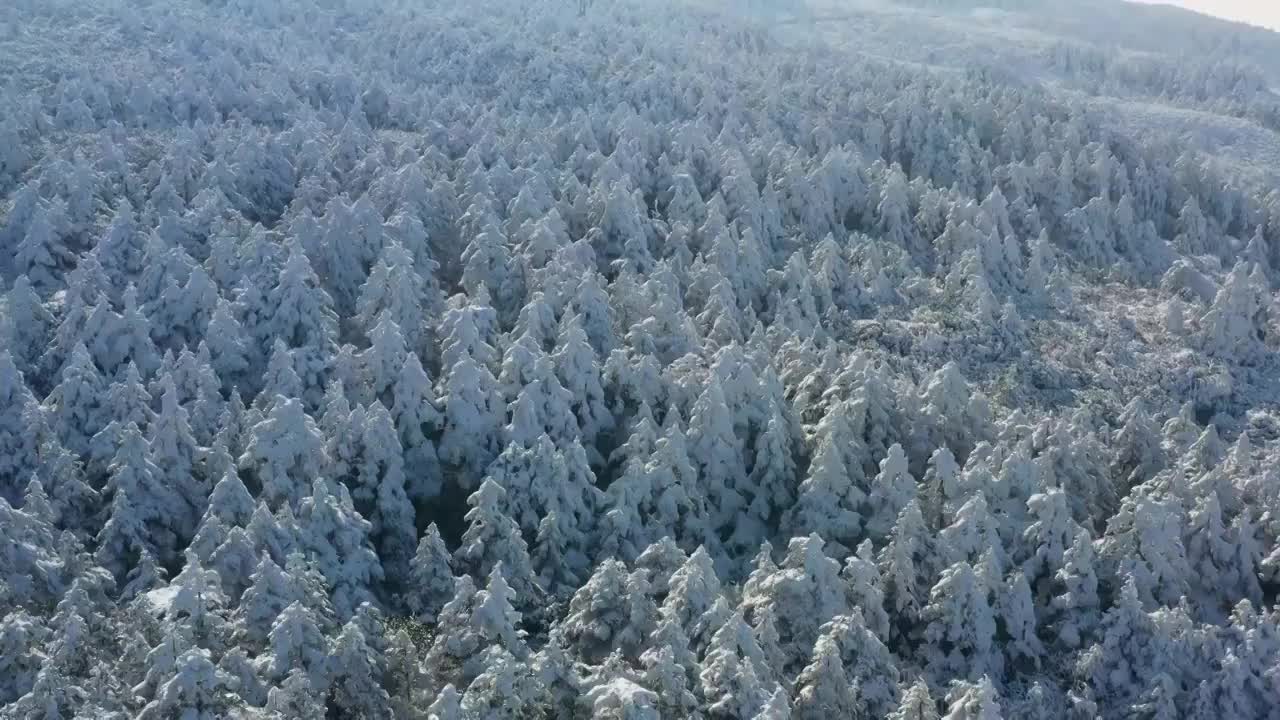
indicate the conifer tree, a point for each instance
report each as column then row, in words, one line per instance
column 295, row 643
column 430, row 582
column 973, row 701
column 269, row 592
column 609, row 613
column 285, row 451
column 295, row 697
column 828, row 500
column 197, row 689
column 1144, row 544
column 74, row 404
column 1236, row 323
column 823, row 688
column 493, row 538
column 559, row 554
column 302, row 316
column 915, row 704
column 144, row 511
column 417, row 418
column 806, row 592
column 229, row 349
column 892, row 488
column 43, row 256
column 866, row 590
column 174, row 450
column 355, row 677
column 27, row 325
column 337, row 538
column 472, row 419
column 379, row 491
column 394, row 287
column 18, row 448
column 960, row 625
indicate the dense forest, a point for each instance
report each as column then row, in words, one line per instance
column 626, row 360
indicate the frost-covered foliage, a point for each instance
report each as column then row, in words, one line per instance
column 635, row 359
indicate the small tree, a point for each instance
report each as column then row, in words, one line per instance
column 431, row 582
column 865, row 589
column 493, row 538
column 868, row 663
column 904, row 564
column 805, row 593
column 717, row 452
column 916, row 704
column 1075, row 608
column 891, row 490
column 74, row 405
column 559, row 555
column 472, row 419
column 1016, row 621
column 666, row 677
column 1236, row 324
column 197, row 690
column 229, row 345
column 230, row 505
column 961, row 626
column 828, row 499
column 18, row 446
column 27, row 326
column 355, row 676
column 973, row 701
column 694, row 588
column 609, row 613
column 268, row 594
column 579, row 371
column 43, row 255
column 446, row 706
column 295, row 697
column 413, row 408
column 296, row 643
column 824, row 691
column 285, row 451
column 380, row 492
column 337, row 538
column 394, row 287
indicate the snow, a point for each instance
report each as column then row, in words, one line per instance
column 160, row 601
column 364, row 358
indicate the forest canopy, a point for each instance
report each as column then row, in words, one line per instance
column 629, row 360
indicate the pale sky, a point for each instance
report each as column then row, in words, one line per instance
column 1258, row 12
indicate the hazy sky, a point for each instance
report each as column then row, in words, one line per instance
column 1258, row 12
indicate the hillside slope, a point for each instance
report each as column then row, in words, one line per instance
column 637, row 359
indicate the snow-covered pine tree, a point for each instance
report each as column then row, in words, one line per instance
column 196, row 689
column 431, row 582
column 295, row 643
column 18, row 446
column 915, row 704
column 284, row 452
column 806, row 592
column 609, row 613
column 416, row 416
column 337, row 538
column 973, row 701
column 960, row 626
column 824, row 689
column 828, row 500
column 355, row 676
column 492, row 538
column 472, row 421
